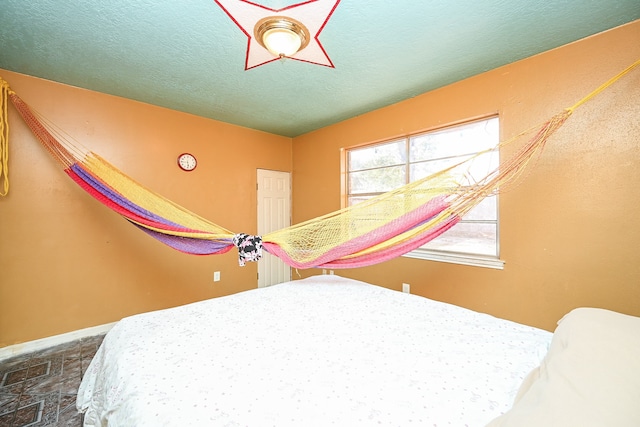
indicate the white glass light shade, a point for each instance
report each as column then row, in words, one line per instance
column 281, row 42
column 281, row 35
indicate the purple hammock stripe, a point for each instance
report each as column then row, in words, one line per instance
column 189, row 245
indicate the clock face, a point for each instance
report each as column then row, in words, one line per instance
column 187, row 162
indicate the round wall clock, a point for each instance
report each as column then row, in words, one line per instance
column 187, row 162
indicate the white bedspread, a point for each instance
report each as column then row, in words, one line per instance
column 323, row 351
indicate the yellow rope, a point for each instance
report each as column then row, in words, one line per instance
column 604, row 86
column 5, row 91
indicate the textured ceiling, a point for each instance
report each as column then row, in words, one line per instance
column 188, row 55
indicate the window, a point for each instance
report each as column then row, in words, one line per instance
column 377, row 168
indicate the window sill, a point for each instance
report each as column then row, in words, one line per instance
column 457, row 258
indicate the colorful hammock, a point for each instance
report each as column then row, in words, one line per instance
column 367, row 233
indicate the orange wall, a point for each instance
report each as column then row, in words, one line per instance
column 68, row 263
column 569, row 233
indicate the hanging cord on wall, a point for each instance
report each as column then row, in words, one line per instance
column 603, row 86
column 4, row 138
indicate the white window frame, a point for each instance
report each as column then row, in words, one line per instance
column 471, row 259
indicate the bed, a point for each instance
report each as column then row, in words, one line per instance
column 321, row 351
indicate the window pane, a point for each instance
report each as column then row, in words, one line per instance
column 463, row 139
column 467, row 238
column 483, row 165
column 377, row 180
column 357, row 199
column 424, row 169
column 382, row 167
column 487, row 210
column 467, row 174
column 391, row 153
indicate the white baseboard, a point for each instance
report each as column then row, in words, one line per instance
column 43, row 343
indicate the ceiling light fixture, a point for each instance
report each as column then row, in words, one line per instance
column 255, row 20
column 281, row 35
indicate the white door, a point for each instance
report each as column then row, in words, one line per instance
column 274, row 213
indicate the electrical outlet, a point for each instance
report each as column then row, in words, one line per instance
column 216, row 276
column 331, row 272
column 406, row 288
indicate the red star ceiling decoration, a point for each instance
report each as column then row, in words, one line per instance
column 313, row 14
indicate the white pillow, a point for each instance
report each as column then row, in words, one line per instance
column 589, row 377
